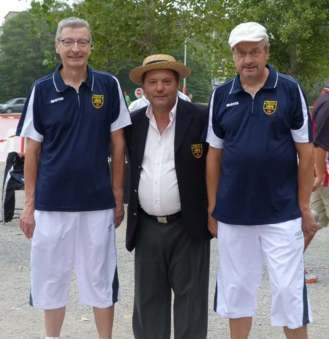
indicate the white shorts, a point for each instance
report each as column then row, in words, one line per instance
column 83, row 242
column 242, row 253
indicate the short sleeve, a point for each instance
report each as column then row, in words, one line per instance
column 300, row 121
column 123, row 118
column 212, row 139
column 28, row 125
column 321, row 123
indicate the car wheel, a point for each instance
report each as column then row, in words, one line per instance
column 9, row 110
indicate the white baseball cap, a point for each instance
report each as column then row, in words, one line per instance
column 247, row 31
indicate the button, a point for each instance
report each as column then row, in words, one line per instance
column 135, row 190
column 135, row 214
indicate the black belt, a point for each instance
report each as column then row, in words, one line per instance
column 165, row 219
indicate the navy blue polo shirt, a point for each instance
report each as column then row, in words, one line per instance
column 75, row 129
column 259, row 167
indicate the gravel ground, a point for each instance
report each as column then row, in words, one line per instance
column 18, row 320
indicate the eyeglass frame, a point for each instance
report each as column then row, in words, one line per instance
column 254, row 53
column 68, row 42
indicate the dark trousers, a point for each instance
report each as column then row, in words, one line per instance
column 166, row 261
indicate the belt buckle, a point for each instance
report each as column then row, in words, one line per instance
column 162, row 220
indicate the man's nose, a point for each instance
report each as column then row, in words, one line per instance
column 159, row 86
column 75, row 46
column 248, row 58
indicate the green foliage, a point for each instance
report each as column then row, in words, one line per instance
column 298, row 30
column 26, row 48
column 124, row 32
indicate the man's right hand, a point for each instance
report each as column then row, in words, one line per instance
column 212, row 226
column 27, row 222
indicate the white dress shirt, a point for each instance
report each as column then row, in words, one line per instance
column 158, row 189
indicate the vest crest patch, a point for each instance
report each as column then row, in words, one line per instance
column 197, row 150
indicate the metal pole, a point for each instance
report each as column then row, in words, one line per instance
column 185, row 62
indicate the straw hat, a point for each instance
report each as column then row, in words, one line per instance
column 158, row 61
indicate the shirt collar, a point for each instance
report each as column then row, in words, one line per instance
column 271, row 81
column 172, row 113
column 60, row 85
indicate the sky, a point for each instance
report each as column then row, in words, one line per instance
column 12, row 5
column 17, row 5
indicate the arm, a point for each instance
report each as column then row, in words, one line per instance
column 305, row 185
column 319, row 166
column 321, row 138
column 31, row 162
column 118, row 158
column 212, row 177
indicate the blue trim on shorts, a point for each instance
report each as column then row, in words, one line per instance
column 306, row 318
column 30, row 299
column 215, row 299
column 115, row 286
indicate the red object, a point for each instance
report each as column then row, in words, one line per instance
column 139, row 92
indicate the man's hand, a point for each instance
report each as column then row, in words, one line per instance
column 318, row 180
column 212, row 226
column 309, row 226
column 27, row 222
column 119, row 213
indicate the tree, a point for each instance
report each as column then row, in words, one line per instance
column 27, row 48
column 126, row 32
column 297, row 31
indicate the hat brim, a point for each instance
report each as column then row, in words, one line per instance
column 136, row 74
column 234, row 43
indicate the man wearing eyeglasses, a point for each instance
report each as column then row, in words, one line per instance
column 259, row 181
column 72, row 119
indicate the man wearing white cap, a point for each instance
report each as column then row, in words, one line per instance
column 167, row 209
column 259, row 180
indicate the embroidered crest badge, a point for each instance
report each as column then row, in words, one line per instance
column 269, row 106
column 97, row 100
column 197, row 150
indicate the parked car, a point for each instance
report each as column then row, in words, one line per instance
column 14, row 105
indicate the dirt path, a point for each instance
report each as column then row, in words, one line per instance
column 19, row 321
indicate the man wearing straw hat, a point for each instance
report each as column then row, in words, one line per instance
column 258, row 192
column 167, row 210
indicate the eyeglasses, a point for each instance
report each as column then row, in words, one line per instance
column 71, row 42
column 254, row 53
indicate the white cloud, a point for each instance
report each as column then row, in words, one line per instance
column 12, row 5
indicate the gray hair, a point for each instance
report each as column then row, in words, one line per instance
column 267, row 44
column 72, row 22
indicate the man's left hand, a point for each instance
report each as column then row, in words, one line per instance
column 309, row 226
column 119, row 213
